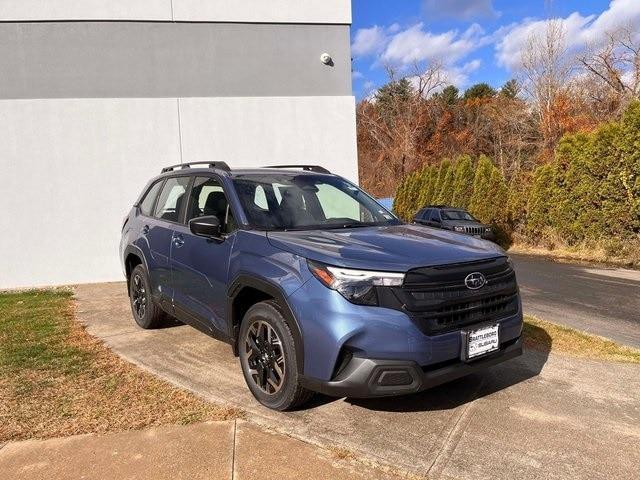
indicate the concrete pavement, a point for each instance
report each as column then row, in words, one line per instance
column 210, row 451
column 540, row 416
column 600, row 300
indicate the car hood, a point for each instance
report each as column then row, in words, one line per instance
column 391, row 248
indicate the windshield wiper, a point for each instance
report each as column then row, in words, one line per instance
column 349, row 225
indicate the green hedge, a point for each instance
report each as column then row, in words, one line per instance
column 591, row 191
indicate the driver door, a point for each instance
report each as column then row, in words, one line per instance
column 200, row 266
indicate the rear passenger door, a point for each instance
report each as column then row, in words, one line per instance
column 155, row 236
column 200, row 266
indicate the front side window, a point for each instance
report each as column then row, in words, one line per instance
column 306, row 202
column 146, row 206
column 208, row 199
column 171, row 199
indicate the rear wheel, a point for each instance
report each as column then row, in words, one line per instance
column 145, row 312
column 268, row 358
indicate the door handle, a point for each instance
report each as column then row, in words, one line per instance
column 145, row 229
column 178, row 241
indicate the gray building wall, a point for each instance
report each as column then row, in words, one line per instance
column 142, row 60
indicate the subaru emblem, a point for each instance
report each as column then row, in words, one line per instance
column 475, row 281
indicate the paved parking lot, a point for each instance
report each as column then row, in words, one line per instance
column 600, row 300
column 540, row 416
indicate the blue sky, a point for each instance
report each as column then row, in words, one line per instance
column 474, row 40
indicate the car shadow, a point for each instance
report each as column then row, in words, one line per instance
column 168, row 322
column 464, row 390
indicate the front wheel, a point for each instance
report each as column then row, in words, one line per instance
column 268, row 358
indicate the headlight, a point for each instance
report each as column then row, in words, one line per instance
column 357, row 286
column 459, row 229
column 487, row 230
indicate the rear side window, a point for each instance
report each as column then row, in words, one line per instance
column 146, row 205
column 435, row 215
column 426, row 214
column 171, row 199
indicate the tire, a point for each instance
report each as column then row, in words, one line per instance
column 145, row 312
column 270, row 367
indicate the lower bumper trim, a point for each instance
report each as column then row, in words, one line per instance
column 366, row 378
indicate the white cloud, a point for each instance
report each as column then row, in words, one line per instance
column 460, row 9
column 459, row 76
column 415, row 45
column 356, row 75
column 394, row 28
column 369, row 41
column 621, row 13
column 579, row 30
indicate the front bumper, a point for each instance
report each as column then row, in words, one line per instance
column 366, row 378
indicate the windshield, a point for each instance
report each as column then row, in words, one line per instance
column 307, row 202
column 457, row 215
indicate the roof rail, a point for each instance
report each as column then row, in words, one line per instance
column 217, row 165
column 437, row 206
column 306, row 168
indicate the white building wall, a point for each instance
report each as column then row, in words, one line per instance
column 258, row 131
column 70, row 171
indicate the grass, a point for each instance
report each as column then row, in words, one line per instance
column 542, row 335
column 56, row 380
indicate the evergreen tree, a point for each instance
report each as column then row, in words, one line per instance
column 445, row 166
column 539, row 202
column 445, row 189
column 449, row 95
column 497, row 198
column 511, row 89
column 628, row 146
column 479, row 90
column 481, row 183
column 463, row 183
column 426, row 185
column 517, row 200
column 392, row 97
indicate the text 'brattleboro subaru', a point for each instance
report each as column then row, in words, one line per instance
column 316, row 286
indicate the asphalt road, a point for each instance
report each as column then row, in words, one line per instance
column 602, row 301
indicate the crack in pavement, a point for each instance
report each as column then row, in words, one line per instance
column 453, row 437
column 233, row 451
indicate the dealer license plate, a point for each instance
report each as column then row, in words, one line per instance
column 482, row 340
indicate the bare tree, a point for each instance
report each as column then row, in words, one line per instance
column 546, row 71
column 612, row 71
column 391, row 126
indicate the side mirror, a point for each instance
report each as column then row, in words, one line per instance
column 208, row 227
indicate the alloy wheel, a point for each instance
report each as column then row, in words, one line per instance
column 265, row 357
column 139, row 297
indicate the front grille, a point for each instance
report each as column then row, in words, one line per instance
column 437, row 299
column 474, row 230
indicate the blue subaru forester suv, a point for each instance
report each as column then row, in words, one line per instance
column 316, row 287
